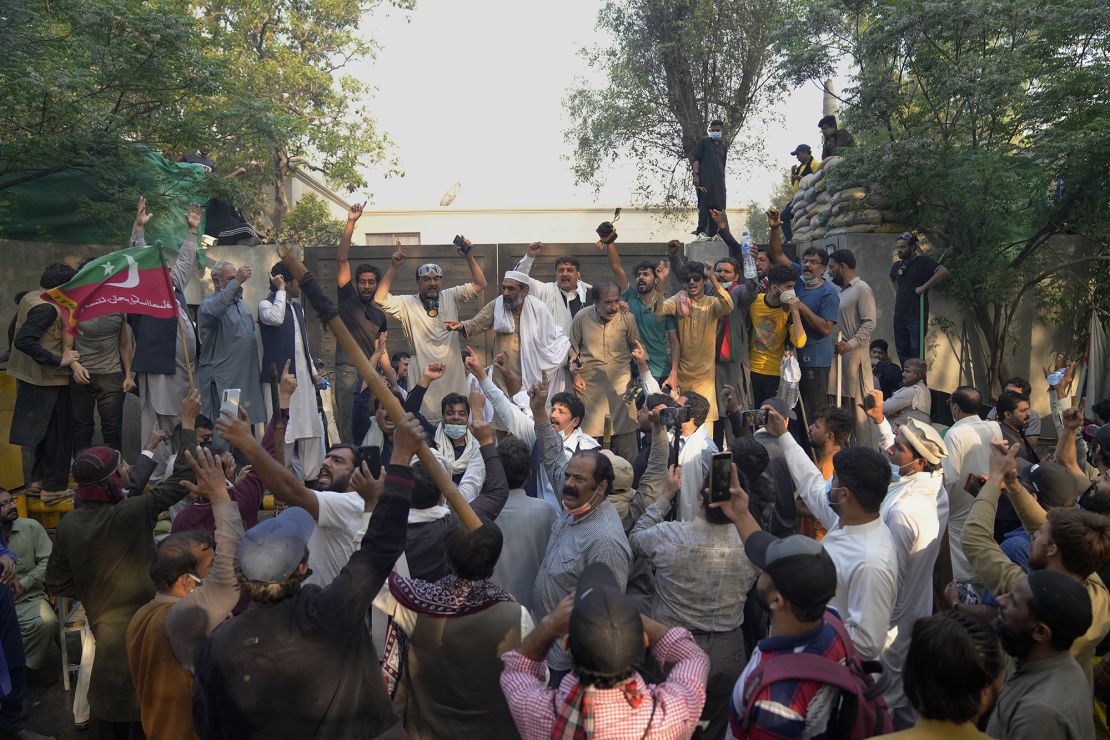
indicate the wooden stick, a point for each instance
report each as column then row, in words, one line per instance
column 279, row 425
column 392, row 406
column 185, row 351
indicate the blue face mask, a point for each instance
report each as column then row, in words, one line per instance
column 896, row 472
column 714, row 134
column 454, row 431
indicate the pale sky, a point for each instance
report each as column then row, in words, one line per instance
column 471, row 92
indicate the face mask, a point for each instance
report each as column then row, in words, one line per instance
column 454, row 431
column 874, row 361
column 896, row 472
column 584, row 508
column 727, row 285
column 810, row 282
column 834, row 505
column 714, row 134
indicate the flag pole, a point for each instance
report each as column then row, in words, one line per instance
column 185, row 351
column 328, row 314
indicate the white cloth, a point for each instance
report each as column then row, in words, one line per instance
column 431, row 514
column 694, row 455
column 304, row 416
column 455, row 466
column 866, row 563
column 552, row 295
column 430, row 341
column 374, row 436
column 543, row 344
column 968, row 442
column 333, row 540
column 911, row 402
column 915, row 511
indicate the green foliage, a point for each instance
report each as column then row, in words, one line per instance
column 251, row 81
column 757, row 223
column 669, row 68
column 968, row 112
column 310, row 224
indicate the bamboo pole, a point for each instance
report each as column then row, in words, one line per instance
column 386, row 398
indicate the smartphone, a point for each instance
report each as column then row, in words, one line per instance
column 230, row 403
column 720, row 477
column 461, row 244
column 373, row 457
column 974, row 483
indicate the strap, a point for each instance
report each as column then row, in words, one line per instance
column 647, row 729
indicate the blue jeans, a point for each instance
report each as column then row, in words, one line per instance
column 907, row 339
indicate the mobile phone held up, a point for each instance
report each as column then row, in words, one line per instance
column 230, row 402
column 461, row 245
column 720, row 477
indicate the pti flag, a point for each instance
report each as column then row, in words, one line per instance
column 129, row 281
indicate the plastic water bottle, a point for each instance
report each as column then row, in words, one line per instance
column 749, row 260
column 1055, row 378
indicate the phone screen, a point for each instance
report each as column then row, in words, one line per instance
column 230, row 402
column 720, row 477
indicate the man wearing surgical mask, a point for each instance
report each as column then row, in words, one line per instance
column 857, row 540
column 455, row 443
column 588, row 529
column 708, row 166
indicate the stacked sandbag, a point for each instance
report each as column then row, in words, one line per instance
column 852, row 209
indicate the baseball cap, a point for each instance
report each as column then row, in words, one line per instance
column 271, row 550
column 780, row 406
column 429, row 268
column 800, row 567
column 800, row 148
column 622, row 472
column 925, row 440
column 1062, row 603
column 606, row 634
column 1053, row 484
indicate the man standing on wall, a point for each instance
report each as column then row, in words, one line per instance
column 708, row 166
column 912, row 276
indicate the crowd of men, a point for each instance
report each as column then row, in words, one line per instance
column 675, row 536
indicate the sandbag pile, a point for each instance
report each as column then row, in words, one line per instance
column 850, row 210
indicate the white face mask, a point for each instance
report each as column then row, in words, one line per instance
column 454, row 431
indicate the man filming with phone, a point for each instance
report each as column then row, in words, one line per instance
column 702, row 579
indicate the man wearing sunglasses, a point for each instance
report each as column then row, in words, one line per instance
column 424, row 318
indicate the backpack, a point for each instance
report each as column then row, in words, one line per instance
column 860, row 712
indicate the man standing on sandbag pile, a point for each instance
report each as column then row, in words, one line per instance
column 708, row 166
column 807, row 165
column 912, row 276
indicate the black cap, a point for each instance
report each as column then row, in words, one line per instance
column 800, row 567
column 1062, row 603
column 800, row 148
column 1053, row 484
column 1102, row 437
column 606, row 633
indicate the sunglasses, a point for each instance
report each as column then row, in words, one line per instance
column 695, row 279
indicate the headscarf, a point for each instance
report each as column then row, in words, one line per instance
column 96, row 470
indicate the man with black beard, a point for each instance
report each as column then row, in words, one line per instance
column 1048, row 696
column 343, row 492
column 658, row 335
column 424, row 318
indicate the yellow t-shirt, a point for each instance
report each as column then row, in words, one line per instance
column 769, row 332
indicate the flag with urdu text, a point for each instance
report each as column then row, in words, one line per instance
column 129, row 281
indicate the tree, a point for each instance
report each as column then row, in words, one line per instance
column 250, row 81
column 282, row 106
column 309, row 224
column 757, row 213
column 969, row 112
column 669, row 67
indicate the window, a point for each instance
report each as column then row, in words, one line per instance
column 401, row 239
